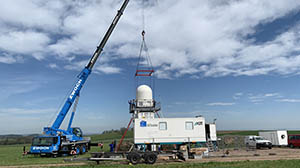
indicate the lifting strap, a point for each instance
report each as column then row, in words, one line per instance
column 144, row 66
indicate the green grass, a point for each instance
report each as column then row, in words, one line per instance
column 237, row 132
column 293, row 132
column 12, row 155
column 110, row 136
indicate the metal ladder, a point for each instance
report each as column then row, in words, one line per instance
column 210, row 146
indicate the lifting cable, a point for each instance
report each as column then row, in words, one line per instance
column 146, row 69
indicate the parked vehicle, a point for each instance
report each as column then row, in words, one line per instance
column 294, row 141
column 56, row 141
column 257, row 142
column 277, row 137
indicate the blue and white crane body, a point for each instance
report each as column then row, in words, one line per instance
column 57, row 141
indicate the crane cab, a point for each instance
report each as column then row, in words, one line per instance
column 74, row 134
column 45, row 145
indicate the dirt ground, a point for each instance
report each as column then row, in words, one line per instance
column 245, row 155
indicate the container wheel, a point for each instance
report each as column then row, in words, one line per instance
column 292, row 146
column 150, row 158
column 134, row 158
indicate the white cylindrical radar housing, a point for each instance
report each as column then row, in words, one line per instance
column 144, row 96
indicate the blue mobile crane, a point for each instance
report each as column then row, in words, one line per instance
column 55, row 141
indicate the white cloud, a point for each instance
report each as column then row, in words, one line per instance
column 207, row 38
column 221, row 104
column 261, row 97
column 289, row 100
column 107, row 69
column 53, row 66
column 8, row 59
column 99, row 68
column 32, row 13
column 238, row 95
column 24, row 42
column 271, row 94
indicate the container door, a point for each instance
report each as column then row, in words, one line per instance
column 213, row 132
column 274, row 138
column 207, row 131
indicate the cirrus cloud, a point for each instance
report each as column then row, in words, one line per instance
column 221, row 104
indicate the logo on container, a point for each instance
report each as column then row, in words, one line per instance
column 143, row 123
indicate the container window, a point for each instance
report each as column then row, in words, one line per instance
column 189, row 125
column 141, row 103
column 162, row 125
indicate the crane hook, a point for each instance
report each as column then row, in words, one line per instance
column 143, row 34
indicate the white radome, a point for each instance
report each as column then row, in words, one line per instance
column 144, row 92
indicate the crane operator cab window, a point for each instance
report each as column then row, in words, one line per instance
column 77, row 132
column 44, row 141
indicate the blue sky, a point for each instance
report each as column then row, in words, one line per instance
column 237, row 61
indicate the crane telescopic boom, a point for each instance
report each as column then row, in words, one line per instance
column 106, row 36
column 82, row 77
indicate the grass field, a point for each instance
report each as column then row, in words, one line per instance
column 11, row 155
column 110, row 136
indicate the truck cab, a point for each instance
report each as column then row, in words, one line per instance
column 257, row 142
column 294, row 141
column 45, row 145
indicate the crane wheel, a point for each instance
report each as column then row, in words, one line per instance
column 82, row 149
column 77, row 149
